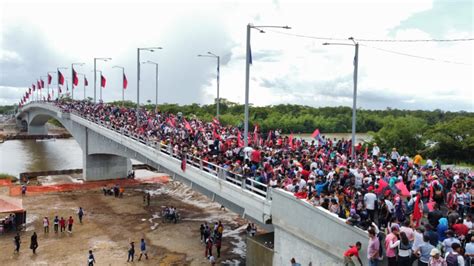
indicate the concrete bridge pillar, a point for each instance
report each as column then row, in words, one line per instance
column 37, row 129
column 105, row 166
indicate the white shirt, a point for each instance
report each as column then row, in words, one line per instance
column 369, row 200
column 375, row 150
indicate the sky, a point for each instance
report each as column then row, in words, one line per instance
column 38, row 36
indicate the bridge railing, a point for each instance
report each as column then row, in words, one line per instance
column 217, row 171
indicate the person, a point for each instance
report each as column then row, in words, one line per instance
column 208, row 251
column 436, row 259
column 352, row 251
column 469, row 251
column 212, row 260
column 404, row 250
column 369, row 199
column 447, row 243
column 148, row 198
column 80, row 213
column 56, row 224
column 454, row 258
column 17, row 241
column 424, row 251
column 131, row 251
column 373, row 248
column 218, row 245
column 201, row 231
column 391, row 245
column 142, row 250
column 46, row 225
column 70, row 221
column 62, row 224
column 294, row 263
column 91, row 259
column 23, row 190
column 34, row 242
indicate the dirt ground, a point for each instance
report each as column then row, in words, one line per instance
column 111, row 223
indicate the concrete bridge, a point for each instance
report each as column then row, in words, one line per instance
column 311, row 235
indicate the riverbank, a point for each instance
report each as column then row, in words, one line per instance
column 111, row 223
column 9, row 131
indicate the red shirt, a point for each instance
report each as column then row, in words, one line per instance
column 352, row 251
column 255, row 156
column 62, row 222
column 301, row 195
column 460, row 229
column 70, row 221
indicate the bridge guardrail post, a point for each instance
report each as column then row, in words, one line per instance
column 200, row 163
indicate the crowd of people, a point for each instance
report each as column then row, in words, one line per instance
column 211, row 236
column 384, row 192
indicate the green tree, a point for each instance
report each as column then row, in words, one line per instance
column 404, row 133
column 452, row 141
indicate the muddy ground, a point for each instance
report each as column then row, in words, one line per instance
column 111, row 223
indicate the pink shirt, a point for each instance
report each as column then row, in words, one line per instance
column 390, row 240
column 373, row 248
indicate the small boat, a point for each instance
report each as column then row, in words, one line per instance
column 45, row 140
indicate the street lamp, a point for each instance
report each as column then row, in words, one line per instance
column 72, row 77
column 123, row 87
column 156, row 82
column 247, row 73
column 150, row 49
column 209, row 54
column 95, row 77
column 58, row 78
column 354, row 97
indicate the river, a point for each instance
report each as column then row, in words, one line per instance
column 17, row 156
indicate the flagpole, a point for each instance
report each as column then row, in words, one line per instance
column 50, row 72
column 123, row 86
column 247, row 69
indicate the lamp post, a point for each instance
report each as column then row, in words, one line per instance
column 72, row 77
column 123, row 87
column 151, row 49
column 209, row 54
column 156, row 82
column 95, row 77
column 354, row 97
column 58, row 79
column 248, row 61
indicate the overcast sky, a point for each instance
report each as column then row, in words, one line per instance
column 38, row 36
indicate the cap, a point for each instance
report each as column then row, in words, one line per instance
column 434, row 252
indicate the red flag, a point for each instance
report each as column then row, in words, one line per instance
column 216, row 121
column 29, row 90
column 38, row 83
column 417, row 214
column 215, row 135
column 103, row 81
column 50, row 78
column 188, row 126
column 366, row 153
column 315, row 133
column 34, row 87
column 86, row 83
column 125, row 81
column 75, row 79
column 290, row 140
column 60, row 78
column 183, row 163
column 42, row 83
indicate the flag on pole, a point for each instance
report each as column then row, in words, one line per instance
column 86, row 83
column 38, row 83
column 60, row 78
column 42, row 83
column 75, row 79
column 125, row 81
column 103, row 81
column 50, row 78
column 34, row 87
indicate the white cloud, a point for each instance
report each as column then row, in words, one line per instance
column 286, row 69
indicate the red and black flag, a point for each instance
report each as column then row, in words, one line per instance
column 75, row 79
column 34, row 87
column 103, row 81
column 42, row 83
column 86, row 83
column 125, row 81
column 60, row 78
column 50, row 78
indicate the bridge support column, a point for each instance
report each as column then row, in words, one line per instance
column 105, row 166
column 37, row 130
